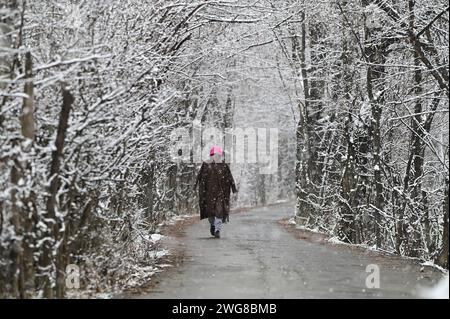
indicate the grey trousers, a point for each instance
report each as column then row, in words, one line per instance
column 216, row 222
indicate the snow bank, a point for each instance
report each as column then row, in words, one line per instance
column 440, row 291
column 156, row 237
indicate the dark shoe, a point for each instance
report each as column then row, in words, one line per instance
column 213, row 230
column 217, row 234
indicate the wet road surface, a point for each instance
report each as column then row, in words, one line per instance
column 257, row 258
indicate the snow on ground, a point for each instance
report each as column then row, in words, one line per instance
column 146, row 259
column 312, row 230
column 156, row 237
column 440, row 291
column 336, row 241
column 173, row 220
column 432, row 264
column 159, row 253
column 140, row 275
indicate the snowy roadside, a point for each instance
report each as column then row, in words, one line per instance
column 334, row 240
column 439, row 291
column 149, row 256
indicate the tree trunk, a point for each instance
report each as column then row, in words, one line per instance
column 347, row 224
column 27, row 117
column 418, row 147
column 347, row 227
column 375, row 52
column 16, row 269
column 442, row 259
column 56, row 265
column 303, row 208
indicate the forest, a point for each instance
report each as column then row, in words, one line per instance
column 91, row 93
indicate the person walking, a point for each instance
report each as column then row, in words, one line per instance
column 214, row 182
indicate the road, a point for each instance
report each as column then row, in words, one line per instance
column 257, row 258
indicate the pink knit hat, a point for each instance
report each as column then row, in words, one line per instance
column 215, row 150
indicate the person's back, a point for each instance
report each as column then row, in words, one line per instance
column 215, row 184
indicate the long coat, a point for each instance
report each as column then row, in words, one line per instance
column 215, row 181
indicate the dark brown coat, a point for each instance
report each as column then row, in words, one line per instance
column 215, row 181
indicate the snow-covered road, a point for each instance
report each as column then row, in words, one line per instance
column 257, row 258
